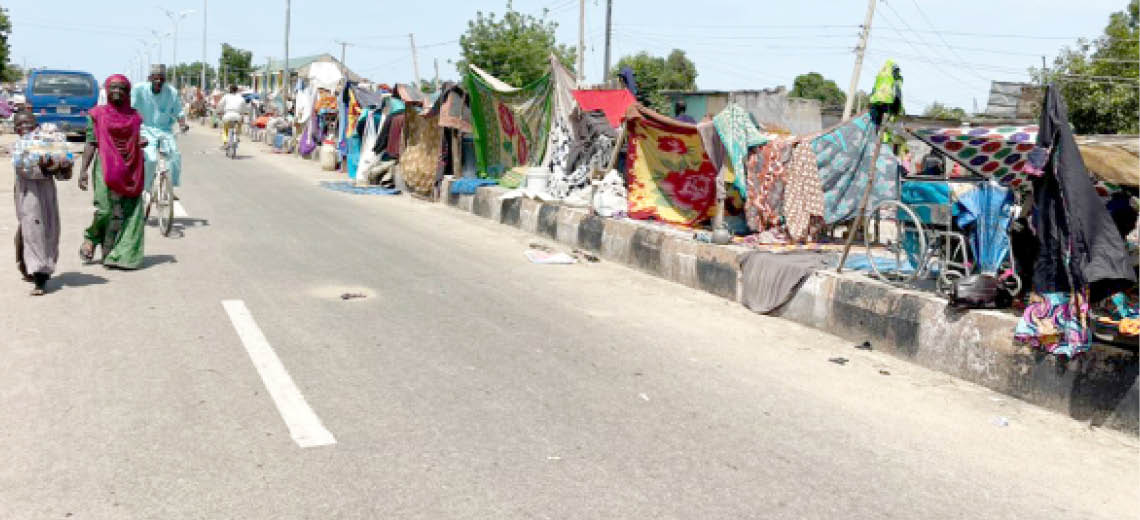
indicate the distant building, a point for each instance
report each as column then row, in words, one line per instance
column 1009, row 100
column 772, row 108
column 298, row 68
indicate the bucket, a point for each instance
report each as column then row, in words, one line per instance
column 328, row 157
column 536, row 178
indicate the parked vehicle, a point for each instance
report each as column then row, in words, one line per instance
column 62, row 97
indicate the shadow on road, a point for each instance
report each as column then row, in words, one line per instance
column 180, row 225
column 74, row 279
column 154, row 260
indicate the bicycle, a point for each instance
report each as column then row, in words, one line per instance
column 161, row 194
column 231, row 141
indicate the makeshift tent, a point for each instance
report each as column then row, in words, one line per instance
column 670, row 176
column 1082, row 258
column 613, row 102
column 326, row 75
column 420, row 158
column 1003, row 153
column 511, row 125
column 739, row 133
column 843, row 157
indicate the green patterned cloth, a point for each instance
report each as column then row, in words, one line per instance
column 511, row 125
column 738, row 132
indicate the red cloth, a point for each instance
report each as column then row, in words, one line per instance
column 117, row 130
column 612, row 102
column 395, row 135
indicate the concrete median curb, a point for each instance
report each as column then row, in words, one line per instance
column 976, row 345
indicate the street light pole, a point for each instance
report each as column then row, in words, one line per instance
column 203, row 81
column 285, row 75
column 175, row 18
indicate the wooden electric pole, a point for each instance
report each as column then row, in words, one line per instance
column 859, row 50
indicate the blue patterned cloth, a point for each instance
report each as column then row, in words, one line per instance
column 843, row 156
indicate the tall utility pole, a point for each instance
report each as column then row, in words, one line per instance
column 863, row 37
column 609, row 32
column 285, row 75
column 203, row 79
column 437, row 74
column 581, row 42
column 415, row 60
column 342, row 46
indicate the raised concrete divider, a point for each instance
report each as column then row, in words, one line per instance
column 975, row 345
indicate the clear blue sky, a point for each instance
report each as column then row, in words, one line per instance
column 948, row 50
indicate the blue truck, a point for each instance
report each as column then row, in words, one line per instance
column 62, row 97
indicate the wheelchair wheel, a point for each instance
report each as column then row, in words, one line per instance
column 896, row 243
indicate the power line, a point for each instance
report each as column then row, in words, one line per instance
column 912, row 45
column 931, row 25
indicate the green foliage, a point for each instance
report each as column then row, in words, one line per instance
column 1099, row 79
column 940, row 111
column 655, row 74
column 190, row 74
column 427, row 86
column 814, row 86
column 514, row 48
column 235, row 64
column 5, row 49
column 12, row 73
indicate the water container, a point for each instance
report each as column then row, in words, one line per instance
column 469, row 157
column 536, row 178
column 328, row 157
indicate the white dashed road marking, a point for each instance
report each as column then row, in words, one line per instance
column 179, row 210
column 304, row 425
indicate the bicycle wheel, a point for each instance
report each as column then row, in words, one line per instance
column 896, row 243
column 165, row 204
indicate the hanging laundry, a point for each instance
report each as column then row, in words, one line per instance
column 511, row 125
column 843, row 156
column 739, row 132
column 670, row 176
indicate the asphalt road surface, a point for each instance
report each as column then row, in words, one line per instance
column 229, row 379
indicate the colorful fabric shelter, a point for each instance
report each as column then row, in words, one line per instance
column 511, row 125
column 1002, row 152
column 670, row 176
column 613, row 102
column 843, row 157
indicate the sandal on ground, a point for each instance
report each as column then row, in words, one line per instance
column 87, row 251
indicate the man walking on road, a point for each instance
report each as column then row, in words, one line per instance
column 160, row 107
column 37, row 208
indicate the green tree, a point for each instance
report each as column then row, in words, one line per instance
column 5, row 49
column 235, row 64
column 1099, row 78
column 427, row 86
column 655, row 74
column 514, row 48
column 12, row 73
column 190, row 74
column 940, row 111
column 814, row 86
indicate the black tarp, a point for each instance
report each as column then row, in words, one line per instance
column 1070, row 219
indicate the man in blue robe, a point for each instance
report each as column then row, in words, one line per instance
column 160, row 107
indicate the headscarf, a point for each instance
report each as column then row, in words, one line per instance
column 117, row 132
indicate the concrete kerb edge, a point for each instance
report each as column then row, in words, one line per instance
column 975, row 346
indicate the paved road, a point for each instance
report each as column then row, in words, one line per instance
column 470, row 383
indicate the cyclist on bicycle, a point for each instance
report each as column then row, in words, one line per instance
column 232, row 106
column 160, row 107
